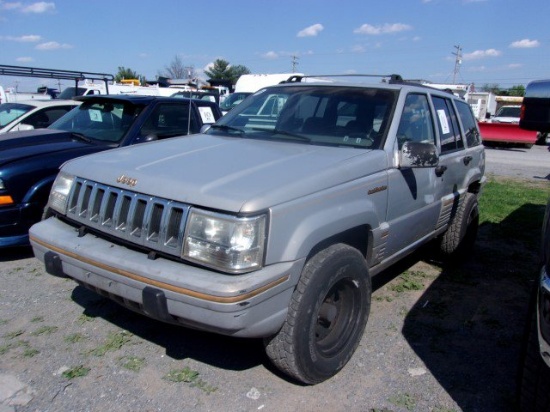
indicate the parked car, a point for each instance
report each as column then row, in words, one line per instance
column 32, row 114
column 29, row 161
column 273, row 222
column 507, row 114
column 233, row 100
column 534, row 384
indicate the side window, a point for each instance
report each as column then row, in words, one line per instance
column 416, row 124
column 451, row 139
column 168, row 120
column 468, row 123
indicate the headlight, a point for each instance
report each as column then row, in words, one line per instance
column 59, row 195
column 2, row 185
column 225, row 242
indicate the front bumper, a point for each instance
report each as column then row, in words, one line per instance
column 15, row 222
column 544, row 316
column 249, row 305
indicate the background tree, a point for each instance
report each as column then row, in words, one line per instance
column 491, row 88
column 518, row 90
column 222, row 70
column 177, row 70
column 127, row 73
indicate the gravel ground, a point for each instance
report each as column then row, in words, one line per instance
column 439, row 338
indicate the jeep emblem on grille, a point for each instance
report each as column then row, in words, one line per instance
column 125, row 180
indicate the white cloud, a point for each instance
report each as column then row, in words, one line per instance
column 311, row 31
column 24, row 59
column 39, row 7
column 11, row 6
column 384, row 29
column 525, row 44
column 270, row 55
column 481, row 54
column 515, row 65
column 29, row 38
column 53, row 45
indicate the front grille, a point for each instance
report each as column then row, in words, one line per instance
column 148, row 221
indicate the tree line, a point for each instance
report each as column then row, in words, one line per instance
column 220, row 70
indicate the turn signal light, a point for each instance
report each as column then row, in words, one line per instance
column 6, row 200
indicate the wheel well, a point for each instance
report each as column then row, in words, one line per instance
column 359, row 237
column 474, row 187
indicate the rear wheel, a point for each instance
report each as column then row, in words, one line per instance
column 462, row 231
column 326, row 317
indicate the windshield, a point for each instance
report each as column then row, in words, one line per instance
column 102, row 121
column 71, row 92
column 11, row 111
column 509, row 112
column 322, row 115
column 233, row 100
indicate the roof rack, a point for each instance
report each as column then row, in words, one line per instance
column 55, row 74
column 392, row 78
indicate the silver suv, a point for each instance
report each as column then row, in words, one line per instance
column 273, row 222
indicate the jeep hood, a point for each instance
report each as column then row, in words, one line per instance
column 40, row 142
column 233, row 174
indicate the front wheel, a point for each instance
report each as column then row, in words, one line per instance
column 326, row 317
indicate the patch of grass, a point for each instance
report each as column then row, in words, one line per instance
column 132, row 363
column 115, row 341
column 30, row 352
column 515, row 209
column 14, row 334
column 37, row 319
column 76, row 372
column 82, row 319
column 408, row 281
column 45, row 330
column 3, row 322
column 74, row 338
column 5, row 348
column 188, row 375
column 403, row 400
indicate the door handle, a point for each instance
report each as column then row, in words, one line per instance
column 439, row 170
column 467, row 160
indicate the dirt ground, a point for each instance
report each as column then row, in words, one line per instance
column 439, row 338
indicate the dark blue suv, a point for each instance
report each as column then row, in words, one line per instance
column 29, row 161
column 534, row 386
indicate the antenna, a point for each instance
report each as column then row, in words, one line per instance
column 294, row 63
column 458, row 62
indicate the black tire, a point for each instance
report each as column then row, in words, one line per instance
column 541, row 139
column 534, row 383
column 461, row 234
column 326, row 317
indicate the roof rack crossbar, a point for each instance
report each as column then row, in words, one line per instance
column 393, row 78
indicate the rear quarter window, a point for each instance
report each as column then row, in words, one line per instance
column 469, row 123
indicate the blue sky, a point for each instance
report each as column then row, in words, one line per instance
column 505, row 42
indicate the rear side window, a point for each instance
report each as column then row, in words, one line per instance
column 468, row 123
column 447, row 123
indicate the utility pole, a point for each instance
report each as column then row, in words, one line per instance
column 294, row 63
column 458, row 62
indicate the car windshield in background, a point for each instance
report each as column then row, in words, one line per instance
column 71, row 92
column 233, row 100
column 101, row 121
column 319, row 115
column 509, row 112
column 11, row 111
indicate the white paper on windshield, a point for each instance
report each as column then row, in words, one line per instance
column 443, row 121
column 206, row 114
column 95, row 115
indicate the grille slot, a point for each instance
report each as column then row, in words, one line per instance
column 149, row 221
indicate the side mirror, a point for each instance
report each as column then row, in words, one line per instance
column 24, row 126
column 416, row 154
column 205, row 128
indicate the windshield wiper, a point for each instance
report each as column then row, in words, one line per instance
column 227, row 128
column 292, row 135
column 81, row 137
